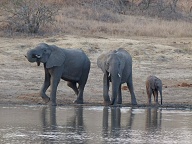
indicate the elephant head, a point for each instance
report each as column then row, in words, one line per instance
column 112, row 64
column 50, row 55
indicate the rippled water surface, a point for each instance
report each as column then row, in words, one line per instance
column 77, row 124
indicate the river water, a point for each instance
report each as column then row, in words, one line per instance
column 92, row 125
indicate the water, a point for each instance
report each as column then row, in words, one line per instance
column 77, row 124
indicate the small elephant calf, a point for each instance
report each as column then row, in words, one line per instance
column 153, row 85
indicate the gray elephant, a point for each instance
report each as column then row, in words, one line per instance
column 71, row 65
column 117, row 68
column 153, row 85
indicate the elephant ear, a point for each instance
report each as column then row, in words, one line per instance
column 56, row 58
column 101, row 62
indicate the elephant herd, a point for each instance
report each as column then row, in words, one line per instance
column 73, row 66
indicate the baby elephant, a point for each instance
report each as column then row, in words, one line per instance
column 153, row 85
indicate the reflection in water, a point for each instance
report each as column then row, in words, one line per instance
column 77, row 124
column 73, row 128
column 116, row 126
column 152, row 123
column 115, row 121
column 153, row 119
column 49, row 125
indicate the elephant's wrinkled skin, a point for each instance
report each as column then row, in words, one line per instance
column 153, row 85
column 117, row 68
column 71, row 65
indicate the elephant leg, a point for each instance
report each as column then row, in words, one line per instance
column 131, row 90
column 119, row 100
column 153, row 92
column 80, row 89
column 106, row 89
column 55, row 79
column 105, row 123
column 160, row 91
column 79, row 99
column 115, row 89
column 45, row 86
column 54, row 83
column 82, row 82
column 73, row 86
column 43, row 90
column 149, row 93
column 156, row 96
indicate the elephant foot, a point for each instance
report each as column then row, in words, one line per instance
column 106, row 103
column 78, row 101
column 149, row 104
column 119, row 102
column 46, row 99
column 113, row 102
column 157, row 104
column 134, row 103
column 52, row 104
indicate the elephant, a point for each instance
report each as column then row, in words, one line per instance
column 153, row 85
column 71, row 65
column 117, row 68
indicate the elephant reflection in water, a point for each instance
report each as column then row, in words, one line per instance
column 74, row 125
column 49, row 124
column 153, row 119
column 115, row 121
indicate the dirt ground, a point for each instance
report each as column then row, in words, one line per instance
column 170, row 59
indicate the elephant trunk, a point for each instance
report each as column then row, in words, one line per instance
column 33, row 56
column 115, row 79
column 161, row 96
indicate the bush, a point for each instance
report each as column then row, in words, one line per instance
column 29, row 15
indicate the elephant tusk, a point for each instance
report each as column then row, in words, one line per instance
column 119, row 75
column 38, row 56
column 109, row 75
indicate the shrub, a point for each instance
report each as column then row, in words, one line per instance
column 29, row 15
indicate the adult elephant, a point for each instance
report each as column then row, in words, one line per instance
column 117, row 68
column 71, row 65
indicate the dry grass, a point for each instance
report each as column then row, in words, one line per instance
column 95, row 20
column 80, row 21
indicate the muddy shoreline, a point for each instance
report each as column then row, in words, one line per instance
column 168, row 58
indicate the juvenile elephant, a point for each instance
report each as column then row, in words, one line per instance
column 117, row 68
column 153, row 85
column 71, row 65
